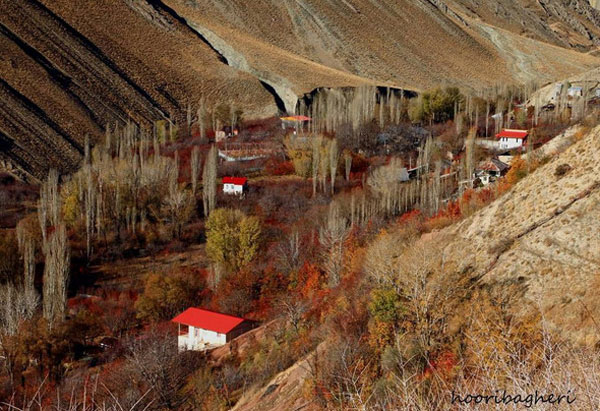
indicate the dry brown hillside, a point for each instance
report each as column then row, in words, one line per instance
column 410, row 44
column 537, row 246
column 69, row 68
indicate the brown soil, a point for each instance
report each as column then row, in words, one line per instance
column 69, row 68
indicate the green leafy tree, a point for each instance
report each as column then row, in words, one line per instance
column 435, row 105
column 232, row 238
column 385, row 305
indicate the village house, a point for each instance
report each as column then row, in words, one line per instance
column 293, row 121
column 204, row 329
column 575, row 91
column 488, row 171
column 510, row 139
column 235, row 185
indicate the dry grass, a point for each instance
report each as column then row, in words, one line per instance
column 552, row 224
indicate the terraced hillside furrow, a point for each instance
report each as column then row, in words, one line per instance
column 63, row 87
column 35, row 139
column 81, row 67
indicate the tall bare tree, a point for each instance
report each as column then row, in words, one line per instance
column 26, row 242
column 195, row 167
column 332, row 236
column 56, row 274
column 333, row 161
column 49, row 203
column 347, row 163
column 209, row 181
column 316, row 159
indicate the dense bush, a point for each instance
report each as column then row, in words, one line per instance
column 436, row 105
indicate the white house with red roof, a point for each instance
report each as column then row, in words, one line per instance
column 509, row 139
column 235, row 185
column 204, row 329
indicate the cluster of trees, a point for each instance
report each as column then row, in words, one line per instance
column 331, row 108
column 167, row 294
column 126, row 184
column 203, row 117
column 132, row 185
column 319, row 158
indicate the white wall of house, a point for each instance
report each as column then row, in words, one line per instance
column 233, row 188
column 198, row 339
column 489, row 144
column 507, row 143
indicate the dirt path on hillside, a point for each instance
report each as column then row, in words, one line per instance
column 521, row 62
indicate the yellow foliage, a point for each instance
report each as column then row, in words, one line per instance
column 299, row 151
column 71, row 206
column 232, row 238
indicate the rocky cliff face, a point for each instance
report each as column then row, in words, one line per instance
column 70, row 68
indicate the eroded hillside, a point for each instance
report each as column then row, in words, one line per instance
column 68, row 69
column 537, row 247
column 411, row 44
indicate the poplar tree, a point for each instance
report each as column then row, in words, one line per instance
column 209, row 181
column 333, row 161
column 195, row 167
column 470, row 156
column 347, row 163
column 56, row 274
column 27, row 249
column 316, row 154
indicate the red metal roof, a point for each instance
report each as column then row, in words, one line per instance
column 510, row 133
column 296, row 118
column 238, row 181
column 208, row 320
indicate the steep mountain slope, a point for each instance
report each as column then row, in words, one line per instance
column 537, row 247
column 572, row 23
column 409, row 44
column 69, row 68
